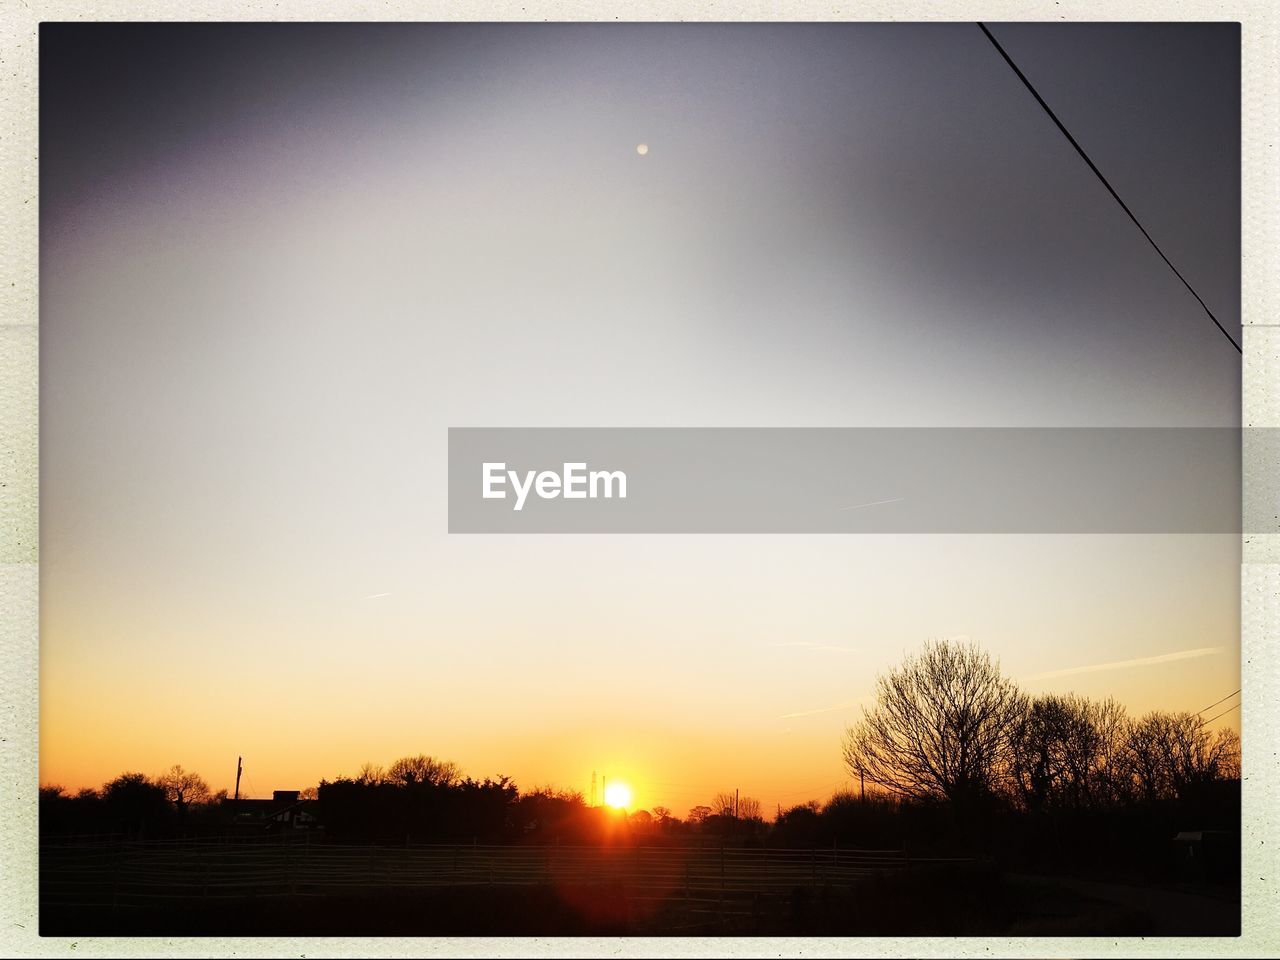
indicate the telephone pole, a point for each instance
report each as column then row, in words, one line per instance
column 239, row 770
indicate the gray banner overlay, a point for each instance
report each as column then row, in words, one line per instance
column 857, row 480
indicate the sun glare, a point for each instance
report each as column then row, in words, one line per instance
column 618, row 796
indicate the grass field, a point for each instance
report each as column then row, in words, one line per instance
column 293, row 888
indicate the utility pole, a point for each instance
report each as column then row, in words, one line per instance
column 239, row 770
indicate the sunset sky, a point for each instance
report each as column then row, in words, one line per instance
column 279, row 262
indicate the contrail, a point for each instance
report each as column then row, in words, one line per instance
column 375, row 596
column 874, row 503
column 1124, row 664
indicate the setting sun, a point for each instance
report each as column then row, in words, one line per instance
column 618, row 796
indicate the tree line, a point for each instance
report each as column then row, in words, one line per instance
column 951, row 757
column 947, row 727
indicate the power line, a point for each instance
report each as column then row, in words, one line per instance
column 1222, row 714
column 1110, row 189
column 1216, row 702
column 811, row 791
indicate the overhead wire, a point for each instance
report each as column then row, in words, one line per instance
column 1105, row 182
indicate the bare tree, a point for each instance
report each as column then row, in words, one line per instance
column 724, row 805
column 941, row 728
column 423, row 770
column 1111, row 722
column 749, row 808
column 183, row 787
column 1223, row 755
column 371, row 774
column 1065, row 752
column 1167, row 754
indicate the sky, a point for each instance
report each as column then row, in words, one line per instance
column 278, row 262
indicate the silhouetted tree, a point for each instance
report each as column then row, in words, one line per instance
column 423, row 770
column 133, row 803
column 870, row 820
column 1066, row 752
column 547, row 815
column 182, row 787
column 798, row 826
column 724, row 805
column 418, row 797
column 941, row 726
column 57, row 811
column 1168, row 755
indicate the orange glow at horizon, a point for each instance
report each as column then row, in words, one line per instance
column 756, row 690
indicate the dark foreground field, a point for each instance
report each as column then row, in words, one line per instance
column 938, row 899
column 216, row 887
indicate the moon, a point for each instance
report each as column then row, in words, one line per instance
column 642, row 148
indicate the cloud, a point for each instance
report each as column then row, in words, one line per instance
column 1126, row 664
